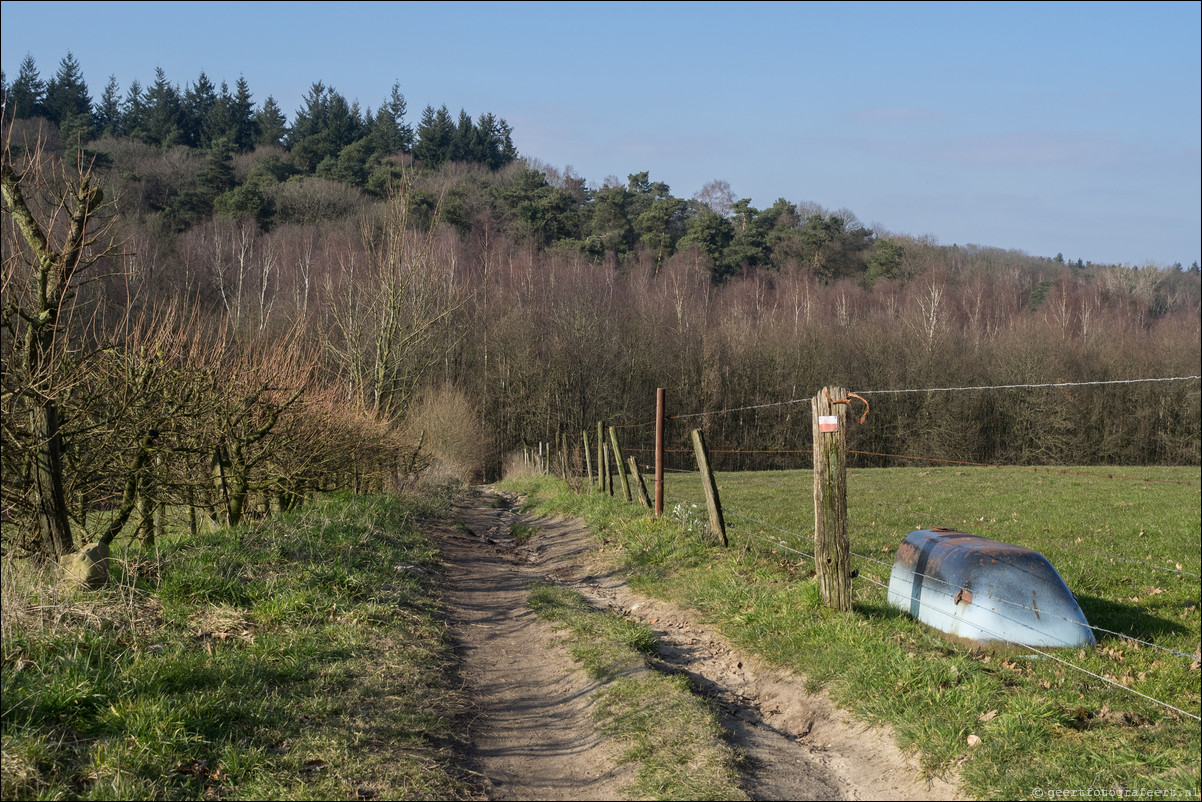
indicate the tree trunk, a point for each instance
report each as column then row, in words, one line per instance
column 219, row 468
column 51, row 501
column 239, row 486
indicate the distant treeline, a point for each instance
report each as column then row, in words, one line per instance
column 239, row 159
column 329, row 136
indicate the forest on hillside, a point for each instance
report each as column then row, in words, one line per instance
column 208, row 305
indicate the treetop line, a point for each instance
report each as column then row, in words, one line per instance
column 334, row 138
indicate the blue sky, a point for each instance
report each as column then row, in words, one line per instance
column 1071, row 128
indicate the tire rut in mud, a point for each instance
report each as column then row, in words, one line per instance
column 796, row 745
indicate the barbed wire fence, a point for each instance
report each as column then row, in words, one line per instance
column 671, row 455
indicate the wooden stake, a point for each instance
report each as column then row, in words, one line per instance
column 588, row 462
column 607, row 484
column 601, row 468
column 613, row 439
column 660, row 403
column 717, row 523
column 639, row 484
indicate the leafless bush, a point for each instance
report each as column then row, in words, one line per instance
column 446, row 422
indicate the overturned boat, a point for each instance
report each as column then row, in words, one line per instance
column 985, row 590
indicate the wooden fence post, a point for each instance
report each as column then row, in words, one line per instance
column 832, row 559
column 607, row 485
column 613, row 439
column 601, row 467
column 660, row 402
column 588, row 462
column 639, row 484
column 717, row 522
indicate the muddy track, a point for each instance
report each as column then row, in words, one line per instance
column 533, row 735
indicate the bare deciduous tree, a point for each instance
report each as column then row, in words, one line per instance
column 54, row 229
column 389, row 311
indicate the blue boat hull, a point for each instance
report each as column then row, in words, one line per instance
column 985, row 590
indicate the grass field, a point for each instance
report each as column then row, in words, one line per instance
column 1125, row 541
column 302, row 657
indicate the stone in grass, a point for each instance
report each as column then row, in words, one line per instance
column 88, row 567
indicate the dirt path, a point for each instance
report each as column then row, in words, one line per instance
column 534, row 737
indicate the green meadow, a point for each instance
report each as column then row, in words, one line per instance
column 1126, row 541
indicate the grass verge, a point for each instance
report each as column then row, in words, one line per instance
column 673, row 735
column 296, row 658
column 1129, row 549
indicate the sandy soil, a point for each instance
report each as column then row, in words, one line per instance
column 533, row 735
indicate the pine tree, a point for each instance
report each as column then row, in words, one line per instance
column 198, row 103
column 463, row 144
column 232, row 118
column 310, row 120
column 27, row 95
column 67, row 101
column 271, row 126
column 133, row 112
column 435, row 136
column 163, row 112
column 325, row 126
column 494, row 145
column 107, row 117
column 219, row 122
column 242, row 111
column 389, row 132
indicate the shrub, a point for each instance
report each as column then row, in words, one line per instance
column 449, row 427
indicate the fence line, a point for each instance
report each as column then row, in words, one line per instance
column 780, row 544
column 747, row 525
column 981, row 525
column 757, row 530
column 631, row 425
column 740, row 409
column 940, row 390
column 773, row 526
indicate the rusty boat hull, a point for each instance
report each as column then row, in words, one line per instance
column 985, row 590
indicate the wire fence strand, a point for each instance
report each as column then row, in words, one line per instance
column 1029, row 386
